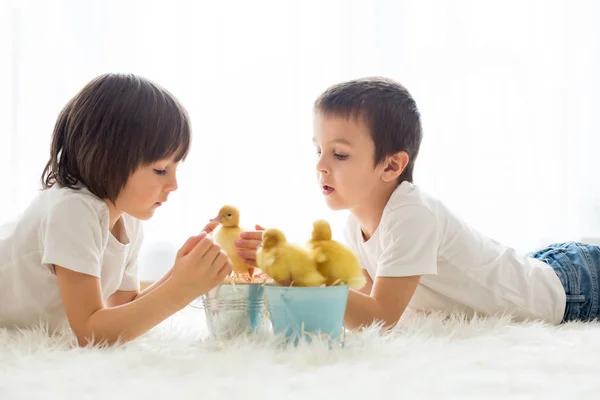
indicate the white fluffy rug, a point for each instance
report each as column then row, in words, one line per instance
column 427, row 357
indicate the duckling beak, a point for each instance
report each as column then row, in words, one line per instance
column 216, row 219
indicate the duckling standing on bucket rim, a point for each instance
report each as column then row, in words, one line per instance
column 335, row 261
column 227, row 234
column 285, row 263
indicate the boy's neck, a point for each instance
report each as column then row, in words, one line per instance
column 369, row 214
column 113, row 217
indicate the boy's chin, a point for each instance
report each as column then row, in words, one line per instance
column 142, row 215
column 334, row 205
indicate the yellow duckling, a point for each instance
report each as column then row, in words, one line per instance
column 335, row 261
column 226, row 235
column 286, row 263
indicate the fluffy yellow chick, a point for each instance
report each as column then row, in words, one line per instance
column 335, row 261
column 286, row 263
column 227, row 233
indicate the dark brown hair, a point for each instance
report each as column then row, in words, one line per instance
column 114, row 125
column 388, row 110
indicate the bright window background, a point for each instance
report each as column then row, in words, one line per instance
column 508, row 91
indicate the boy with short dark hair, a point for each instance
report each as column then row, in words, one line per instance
column 415, row 252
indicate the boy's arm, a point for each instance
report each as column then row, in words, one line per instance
column 121, row 297
column 366, row 289
column 389, row 298
column 152, row 287
column 410, row 237
column 199, row 266
column 93, row 322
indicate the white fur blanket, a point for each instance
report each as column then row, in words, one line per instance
column 426, row 357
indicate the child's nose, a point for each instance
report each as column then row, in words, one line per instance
column 172, row 185
column 322, row 168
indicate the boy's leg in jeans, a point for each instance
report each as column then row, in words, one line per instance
column 578, row 267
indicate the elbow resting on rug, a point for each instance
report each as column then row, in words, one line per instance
column 384, row 305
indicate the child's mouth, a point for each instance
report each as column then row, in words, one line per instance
column 327, row 190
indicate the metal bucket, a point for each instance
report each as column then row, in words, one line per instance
column 234, row 310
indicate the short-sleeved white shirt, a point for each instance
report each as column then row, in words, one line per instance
column 461, row 269
column 65, row 227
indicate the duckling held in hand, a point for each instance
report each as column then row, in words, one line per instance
column 335, row 261
column 285, row 263
column 227, row 234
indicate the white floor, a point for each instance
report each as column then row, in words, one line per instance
column 426, row 358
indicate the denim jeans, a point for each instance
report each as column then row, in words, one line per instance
column 578, row 267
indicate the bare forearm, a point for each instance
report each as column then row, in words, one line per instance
column 128, row 321
column 155, row 285
column 363, row 310
column 386, row 303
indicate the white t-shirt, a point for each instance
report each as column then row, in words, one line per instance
column 69, row 228
column 462, row 270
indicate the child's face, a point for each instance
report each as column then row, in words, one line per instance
column 147, row 188
column 345, row 167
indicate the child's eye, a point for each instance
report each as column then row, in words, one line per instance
column 340, row 156
column 160, row 171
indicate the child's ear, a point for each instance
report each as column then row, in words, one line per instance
column 394, row 166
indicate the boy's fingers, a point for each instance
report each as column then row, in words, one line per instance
column 220, row 257
column 189, row 244
column 221, row 260
column 247, row 254
column 212, row 253
column 202, row 247
column 211, row 226
column 224, row 265
column 225, row 271
column 247, row 244
column 252, row 235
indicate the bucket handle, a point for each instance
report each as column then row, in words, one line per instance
column 200, row 305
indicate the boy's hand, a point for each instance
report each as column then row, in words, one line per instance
column 211, row 226
column 248, row 243
column 199, row 266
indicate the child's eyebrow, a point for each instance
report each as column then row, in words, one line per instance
column 340, row 141
column 334, row 141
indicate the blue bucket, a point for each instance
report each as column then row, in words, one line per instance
column 307, row 312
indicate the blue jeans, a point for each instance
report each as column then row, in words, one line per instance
column 578, row 267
